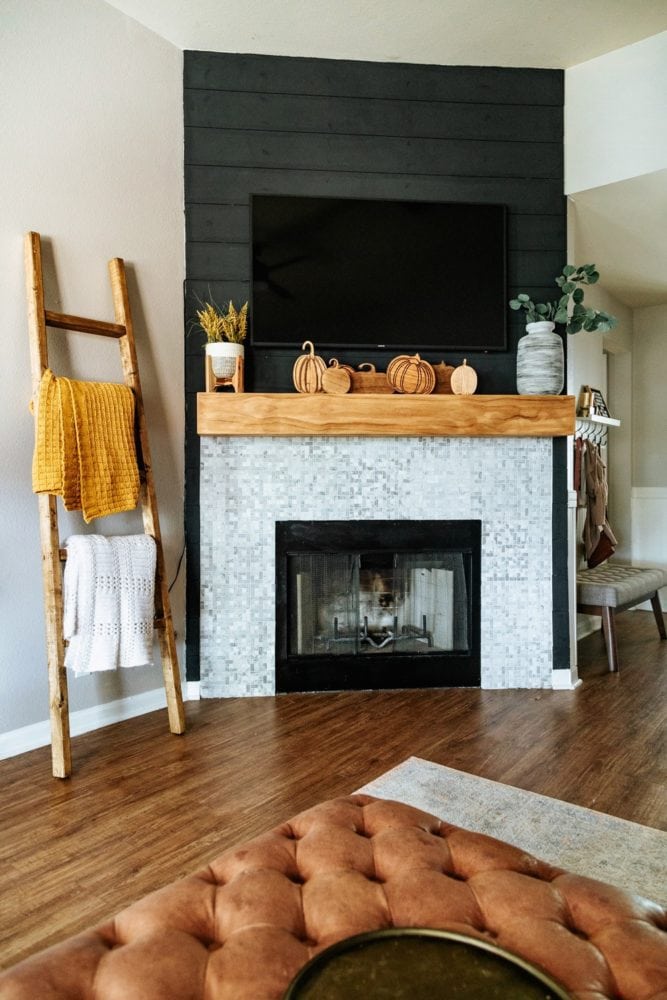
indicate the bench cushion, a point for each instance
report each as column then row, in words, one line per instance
column 612, row 586
column 241, row 928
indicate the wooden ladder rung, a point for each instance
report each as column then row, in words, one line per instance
column 81, row 324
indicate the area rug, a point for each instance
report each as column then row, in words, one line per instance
column 590, row 843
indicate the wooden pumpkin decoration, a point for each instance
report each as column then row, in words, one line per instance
column 409, row 374
column 308, row 370
column 335, row 363
column 369, row 380
column 464, row 379
column 443, row 377
column 336, row 379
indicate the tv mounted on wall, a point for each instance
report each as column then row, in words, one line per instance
column 361, row 273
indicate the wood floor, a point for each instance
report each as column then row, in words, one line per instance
column 145, row 807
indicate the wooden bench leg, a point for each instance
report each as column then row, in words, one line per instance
column 609, row 632
column 657, row 611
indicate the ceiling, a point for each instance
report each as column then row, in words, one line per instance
column 620, row 226
column 445, row 32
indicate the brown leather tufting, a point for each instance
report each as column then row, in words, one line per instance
column 242, row 928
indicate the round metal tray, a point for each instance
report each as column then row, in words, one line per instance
column 420, row 964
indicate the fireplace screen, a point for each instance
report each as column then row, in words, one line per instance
column 373, row 604
column 364, row 603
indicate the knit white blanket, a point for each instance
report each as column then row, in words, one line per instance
column 108, row 601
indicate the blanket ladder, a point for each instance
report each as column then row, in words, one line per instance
column 39, row 318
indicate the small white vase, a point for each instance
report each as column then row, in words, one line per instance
column 540, row 365
column 223, row 357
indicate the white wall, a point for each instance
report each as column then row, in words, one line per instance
column 92, row 159
column 649, row 381
column 615, row 115
column 649, row 493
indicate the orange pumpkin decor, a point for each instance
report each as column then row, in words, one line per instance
column 308, row 370
column 337, row 378
column 443, row 377
column 335, row 363
column 409, row 374
column 366, row 379
column 464, row 379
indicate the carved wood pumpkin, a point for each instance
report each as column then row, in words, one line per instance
column 308, row 370
column 443, row 377
column 409, row 374
column 464, row 379
column 335, row 363
column 366, row 379
column 336, row 379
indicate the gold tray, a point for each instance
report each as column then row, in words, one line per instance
column 420, row 964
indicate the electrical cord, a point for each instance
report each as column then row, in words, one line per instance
column 178, row 568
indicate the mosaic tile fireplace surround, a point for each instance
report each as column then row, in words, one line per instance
column 250, row 483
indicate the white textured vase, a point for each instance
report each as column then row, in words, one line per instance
column 540, row 365
column 223, row 355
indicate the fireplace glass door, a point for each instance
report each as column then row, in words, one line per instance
column 359, row 603
column 376, row 615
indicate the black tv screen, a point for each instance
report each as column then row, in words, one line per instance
column 347, row 272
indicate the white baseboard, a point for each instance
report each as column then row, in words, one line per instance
column 561, row 680
column 84, row 720
column 191, row 691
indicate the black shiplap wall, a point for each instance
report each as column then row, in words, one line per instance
column 278, row 125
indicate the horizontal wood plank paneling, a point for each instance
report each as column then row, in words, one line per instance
column 351, row 78
column 217, row 184
column 390, row 154
column 359, row 116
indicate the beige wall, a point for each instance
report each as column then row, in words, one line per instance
column 92, row 159
column 649, row 395
column 615, row 115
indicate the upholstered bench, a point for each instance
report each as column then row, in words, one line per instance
column 610, row 588
column 241, row 928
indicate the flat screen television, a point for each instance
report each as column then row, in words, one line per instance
column 361, row 273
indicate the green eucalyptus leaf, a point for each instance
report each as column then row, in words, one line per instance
column 593, row 276
column 569, row 287
column 568, row 270
column 578, row 295
column 515, row 304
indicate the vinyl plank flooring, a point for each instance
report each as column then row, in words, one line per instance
column 144, row 807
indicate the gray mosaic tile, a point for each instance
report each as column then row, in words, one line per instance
column 247, row 484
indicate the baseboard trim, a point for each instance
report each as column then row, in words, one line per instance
column 192, row 691
column 561, row 680
column 85, row 720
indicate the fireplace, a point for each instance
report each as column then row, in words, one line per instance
column 250, row 484
column 377, row 604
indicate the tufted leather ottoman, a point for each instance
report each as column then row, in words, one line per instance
column 240, row 929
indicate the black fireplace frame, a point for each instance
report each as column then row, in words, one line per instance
column 397, row 670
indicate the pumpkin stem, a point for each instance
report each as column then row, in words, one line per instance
column 366, row 364
column 333, row 363
column 308, row 343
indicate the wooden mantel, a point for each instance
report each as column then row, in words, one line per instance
column 365, row 415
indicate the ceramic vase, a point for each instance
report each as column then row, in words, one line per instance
column 223, row 357
column 540, row 364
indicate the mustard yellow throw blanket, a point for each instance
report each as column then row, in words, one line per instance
column 84, row 447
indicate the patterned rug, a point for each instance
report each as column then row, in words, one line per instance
column 590, row 843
